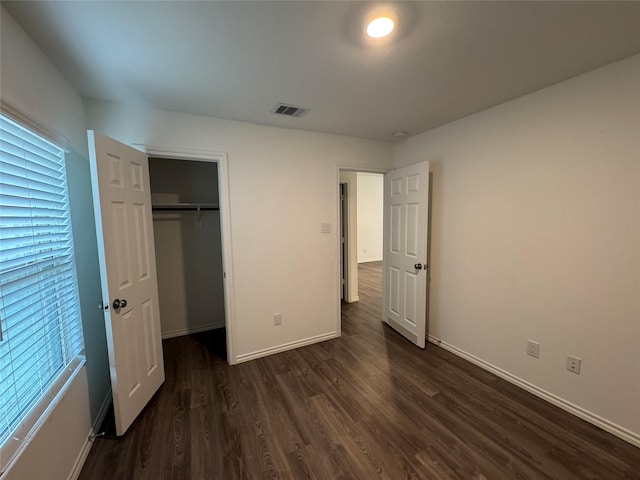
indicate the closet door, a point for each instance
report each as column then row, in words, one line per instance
column 122, row 204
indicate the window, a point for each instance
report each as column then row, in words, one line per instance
column 40, row 327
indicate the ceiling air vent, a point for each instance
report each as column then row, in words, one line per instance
column 289, row 110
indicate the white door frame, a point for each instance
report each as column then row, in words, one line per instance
column 344, row 241
column 220, row 158
column 350, row 277
column 336, row 216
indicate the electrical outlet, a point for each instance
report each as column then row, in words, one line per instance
column 277, row 319
column 533, row 349
column 574, row 364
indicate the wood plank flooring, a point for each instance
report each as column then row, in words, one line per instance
column 368, row 405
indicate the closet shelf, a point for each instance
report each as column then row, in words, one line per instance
column 172, row 207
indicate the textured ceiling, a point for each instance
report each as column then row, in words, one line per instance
column 236, row 60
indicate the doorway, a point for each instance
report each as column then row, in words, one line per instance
column 361, row 224
column 203, row 189
column 126, row 254
column 401, row 279
column 188, row 246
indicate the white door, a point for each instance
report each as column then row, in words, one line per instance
column 405, row 276
column 122, row 204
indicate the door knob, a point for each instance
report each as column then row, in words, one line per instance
column 418, row 266
column 117, row 303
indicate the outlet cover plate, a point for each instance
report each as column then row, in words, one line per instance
column 574, row 364
column 277, row 319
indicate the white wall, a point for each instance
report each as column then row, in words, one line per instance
column 58, row 450
column 535, row 235
column 351, row 179
column 370, row 206
column 32, row 86
column 283, row 184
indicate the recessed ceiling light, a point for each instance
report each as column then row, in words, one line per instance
column 380, row 27
column 401, row 133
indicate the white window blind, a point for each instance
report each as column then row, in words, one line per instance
column 41, row 331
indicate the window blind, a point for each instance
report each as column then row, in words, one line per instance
column 41, row 331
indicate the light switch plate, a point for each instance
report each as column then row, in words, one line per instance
column 533, row 349
column 325, row 227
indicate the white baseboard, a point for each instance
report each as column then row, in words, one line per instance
column 354, row 299
column 95, row 428
column 245, row 357
column 104, row 408
column 82, row 457
column 189, row 331
column 603, row 423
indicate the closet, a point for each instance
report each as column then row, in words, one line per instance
column 187, row 234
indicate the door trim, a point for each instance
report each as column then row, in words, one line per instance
column 350, row 276
column 344, row 241
column 225, row 225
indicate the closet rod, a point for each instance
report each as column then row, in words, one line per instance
column 185, row 207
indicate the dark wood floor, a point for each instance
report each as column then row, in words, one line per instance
column 368, row 405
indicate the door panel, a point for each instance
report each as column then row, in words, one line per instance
column 142, row 240
column 122, row 204
column 122, row 255
column 148, row 324
column 413, row 218
column 394, row 292
column 396, row 218
column 411, row 292
column 406, row 207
